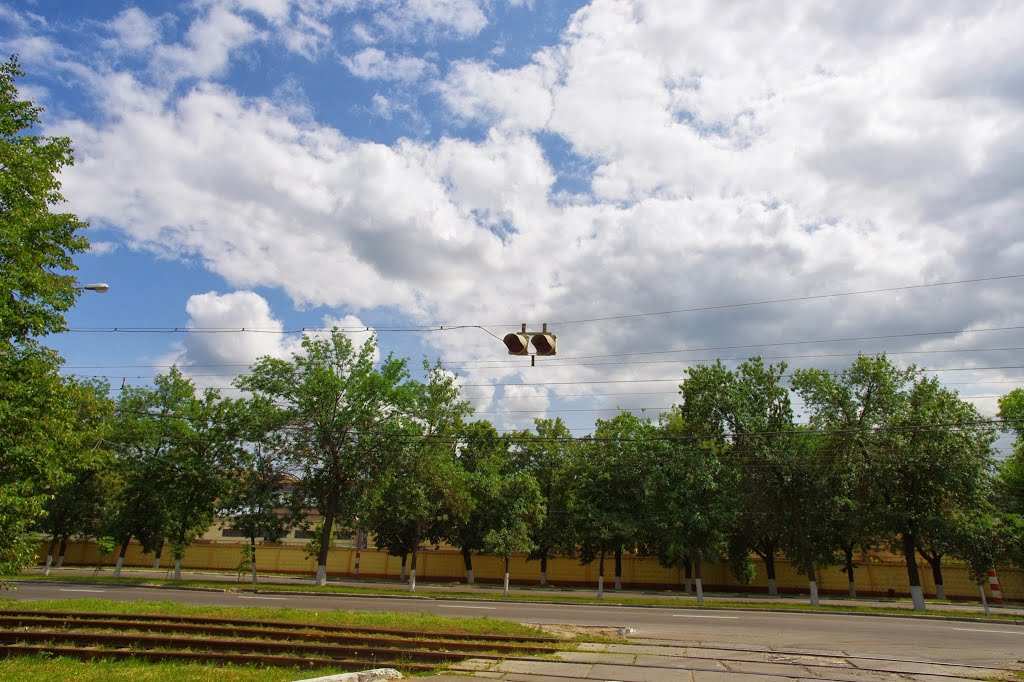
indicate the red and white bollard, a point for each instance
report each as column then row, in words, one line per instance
column 993, row 586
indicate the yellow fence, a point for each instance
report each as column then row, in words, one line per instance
column 877, row 574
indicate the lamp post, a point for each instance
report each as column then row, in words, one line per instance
column 98, row 287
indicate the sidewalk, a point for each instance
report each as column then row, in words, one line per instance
column 462, row 590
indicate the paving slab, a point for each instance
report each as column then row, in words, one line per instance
column 554, row 668
column 639, row 674
column 595, row 657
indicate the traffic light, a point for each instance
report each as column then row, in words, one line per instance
column 517, row 344
column 544, row 343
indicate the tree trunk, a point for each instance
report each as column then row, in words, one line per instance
column 177, row 569
column 49, row 555
column 325, row 540
column 934, row 559
column 910, row 553
column 984, row 602
column 544, row 569
column 769, row 569
column 618, row 568
column 60, row 553
column 697, row 578
column 600, row 577
column 848, row 555
column 156, row 557
column 412, row 570
column 120, row 559
column 505, row 590
column 401, row 573
column 467, row 559
column 252, row 545
column 812, row 583
column 688, row 573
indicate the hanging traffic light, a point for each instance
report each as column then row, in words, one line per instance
column 517, row 344
column 544, row 343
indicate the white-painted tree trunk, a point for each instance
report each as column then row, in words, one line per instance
column 773, row 589
column 600, row 587
column 984, row 602
column 469, row 577
column 49, row 561
column 156, row 562
column 813, row 587
column 412, row 580
column 689, row 585
column 321, row 575
column 940, row 591
column 543, row 577
column 401, row 574
column 700, row 590
column 60, row 561
column 254, row 573
column 853, row 589
column 117, row 566
column 505, row 587
column 918, row 597
column 177, row 569
column 618, row 582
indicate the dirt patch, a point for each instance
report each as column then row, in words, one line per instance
column 585, row 631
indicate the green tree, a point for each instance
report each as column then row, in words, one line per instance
column 257, row 501
column 690, row 502
column 38, row 439
column 36, row 245
column 519, row 510
column 338, row 408
column 78, row 507
column 1010, row 484
column 607, row 490
column 481, row 459
column 548, row 455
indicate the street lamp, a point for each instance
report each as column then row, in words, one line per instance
column 98, row 287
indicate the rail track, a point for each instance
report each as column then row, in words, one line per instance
column 219, row 640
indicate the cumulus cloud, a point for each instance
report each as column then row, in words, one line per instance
column 372, row 63
column 732, row 154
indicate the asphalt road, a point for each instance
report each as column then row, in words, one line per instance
column 938, row 640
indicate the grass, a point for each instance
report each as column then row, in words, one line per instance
column 42, row 668
column 546, row 595
column 423, row 622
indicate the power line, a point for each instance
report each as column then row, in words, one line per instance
column 442, row 328
column 791, row 299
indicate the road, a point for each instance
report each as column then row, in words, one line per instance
column 937, row 640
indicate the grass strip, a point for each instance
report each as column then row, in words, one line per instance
column 377, row 589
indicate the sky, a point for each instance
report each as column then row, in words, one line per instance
column 632, row 172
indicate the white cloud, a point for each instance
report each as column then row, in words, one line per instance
column 372, row 63
column 411, row 19
column 134, row 30
column 731, row 154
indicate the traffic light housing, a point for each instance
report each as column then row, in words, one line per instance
column 544, row 343
column 517, row 344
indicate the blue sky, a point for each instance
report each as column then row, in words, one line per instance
column 280, row 164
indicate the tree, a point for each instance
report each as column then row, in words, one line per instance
column 607, row 490
column 690, row 497
column 37, row 430
column 1010, row 484
column 548, row 455
column 922, row 448
column 481, row 459
column 36, row 245
column 337, row 408
column 79, row 506
column 520, row 509
column 257, row 503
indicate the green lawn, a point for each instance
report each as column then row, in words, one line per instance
column 548, row 595
column 46, row 669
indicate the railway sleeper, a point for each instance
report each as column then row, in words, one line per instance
column 275, row 635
